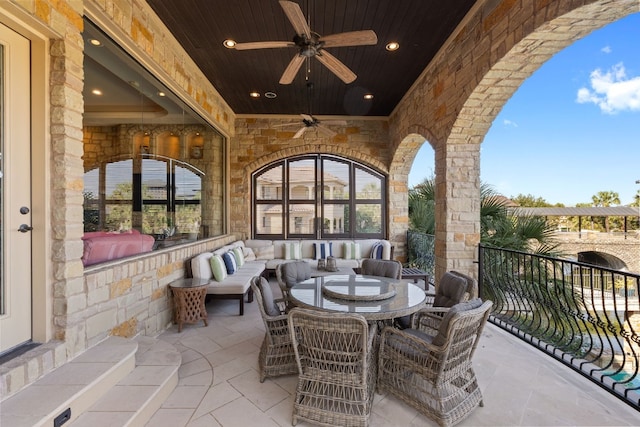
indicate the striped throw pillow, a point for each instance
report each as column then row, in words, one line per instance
column 352, row 251
column 376, row 251
column 230, row 262
column 292, row 251
column 218, row 268
column 322, row 250
column 239, row 256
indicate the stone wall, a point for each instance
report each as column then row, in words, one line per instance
column 627, row 249
column 457, row 97
column 257, row 143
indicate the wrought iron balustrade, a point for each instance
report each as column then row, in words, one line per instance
column 587, row 317
column 421, row 251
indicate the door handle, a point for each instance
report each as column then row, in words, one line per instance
column 24, row 228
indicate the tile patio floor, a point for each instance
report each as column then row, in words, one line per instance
column 219, row 383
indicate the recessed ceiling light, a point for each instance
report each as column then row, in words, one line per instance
column 254, row 94
column 229, row 44
column 368, row 96
column 270, row 95
column 95, row 42
column 392, row 46
column 96, row 92
column 161, row 93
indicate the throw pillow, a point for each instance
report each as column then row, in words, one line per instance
column 218, row 268
column 376, row 250
column 264, row 252
column 239, row 256
column 292, row 251
column 248, row 253
column 230, row 262
column 322, row 250
column 352, row 251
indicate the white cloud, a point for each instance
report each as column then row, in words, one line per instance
column 606, row 49
column 509, row 123
column 612, row 91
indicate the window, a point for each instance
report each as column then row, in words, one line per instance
column 156, row 167
column 318, row 196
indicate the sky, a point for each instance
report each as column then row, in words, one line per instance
column 572, row 129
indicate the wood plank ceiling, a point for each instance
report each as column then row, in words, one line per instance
column 419, row 26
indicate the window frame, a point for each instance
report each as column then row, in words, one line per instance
column 320, row 202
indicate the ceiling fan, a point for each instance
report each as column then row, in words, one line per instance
column 310, row 122
column 311, row 44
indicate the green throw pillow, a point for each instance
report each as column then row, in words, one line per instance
column 218, row 268
column 239, row 256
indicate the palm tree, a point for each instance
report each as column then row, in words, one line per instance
column 500, row 226
column 606, row 198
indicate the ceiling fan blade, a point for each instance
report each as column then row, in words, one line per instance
column 352, row 38
column 284, row 125
column 325, row 130
column 300, row 132
column 296, row 17
column 262, row 45
column 291, row 70
column 336, row 67
column 307, row 117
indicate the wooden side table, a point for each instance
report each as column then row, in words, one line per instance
column 188, row 301
column 415, row 274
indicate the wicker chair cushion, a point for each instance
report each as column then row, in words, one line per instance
column 296, row 271
column 384, row 268
column 450, row 290
column 400, row 344
column 441, row 338
column 269, row 304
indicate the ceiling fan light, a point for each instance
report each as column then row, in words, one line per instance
column 392, row 46
column 229, row 44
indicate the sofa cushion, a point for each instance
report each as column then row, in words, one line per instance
column 376, row 251
column 237, row 251
column 218, row 268
column 322, row 250
column 230, row 263
column 248, row 254
column 352, row 250
column 264, row 252
column 292, row 250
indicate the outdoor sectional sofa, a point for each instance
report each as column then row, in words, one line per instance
column 260, row 257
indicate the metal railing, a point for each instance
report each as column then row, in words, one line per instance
column 585, row 316
column 421, row 251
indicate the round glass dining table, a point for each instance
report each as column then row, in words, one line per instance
column 374, row 297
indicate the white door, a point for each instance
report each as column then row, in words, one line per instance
column 15, row 190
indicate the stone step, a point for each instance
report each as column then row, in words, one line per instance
column 134, row 400
column 81, row 389
column 74, row 386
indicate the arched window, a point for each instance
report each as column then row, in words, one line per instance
column 318, row 196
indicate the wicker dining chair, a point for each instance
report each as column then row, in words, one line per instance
column 381, row 267
column 288, row 274
column 452, row 289
column 336, row 358
column 434, row 374
column 276, row 356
